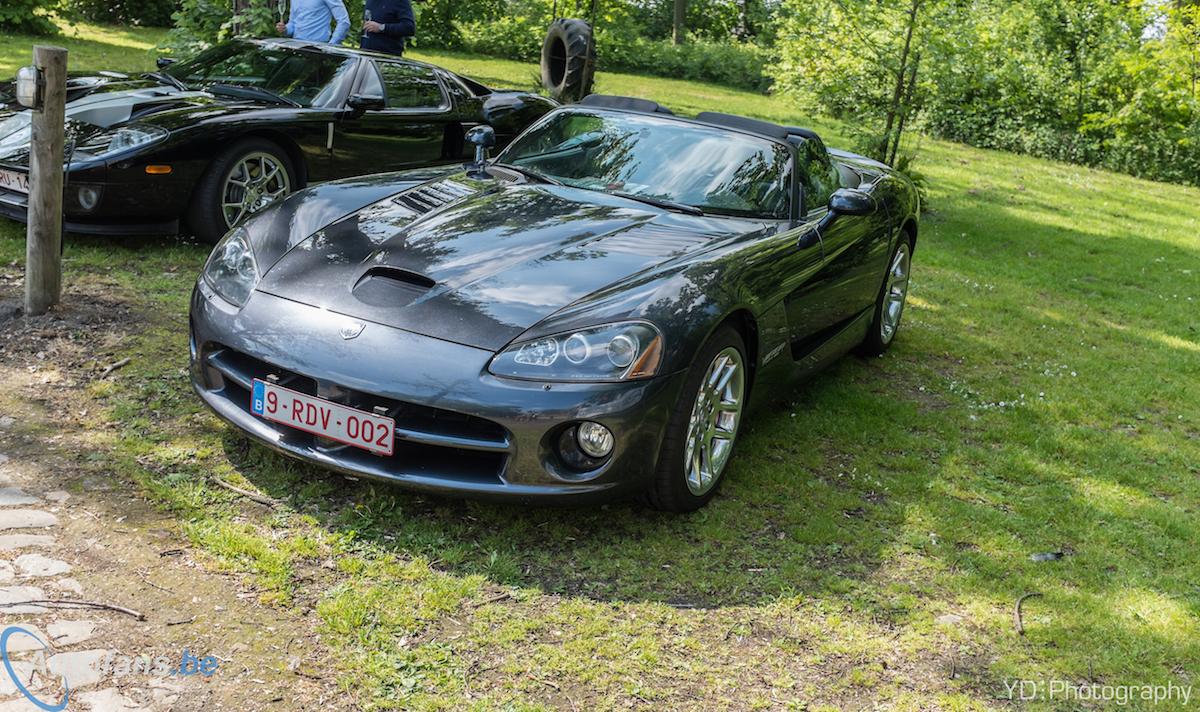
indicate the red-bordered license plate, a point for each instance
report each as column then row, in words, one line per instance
column 14, row 180
column 374, row 433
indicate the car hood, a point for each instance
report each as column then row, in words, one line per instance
column 479, row 262
column 115, row 103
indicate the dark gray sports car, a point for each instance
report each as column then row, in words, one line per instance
column 589, row 314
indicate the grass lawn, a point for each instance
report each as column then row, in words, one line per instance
column 873, row 533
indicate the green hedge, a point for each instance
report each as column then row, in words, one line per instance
column 739, row 65
column 149, row 13
column 25, row 17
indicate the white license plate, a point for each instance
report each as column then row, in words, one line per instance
column 374, row 433
column 12, row 180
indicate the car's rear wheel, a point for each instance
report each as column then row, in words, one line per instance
column 704, row 426
column 248, row 177
column 889, row 307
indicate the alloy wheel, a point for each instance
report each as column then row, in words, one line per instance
column 254, row 182
column 895, row 293
column 716, row 414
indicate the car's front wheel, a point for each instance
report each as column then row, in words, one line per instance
column 704, row 426
column 250, row 175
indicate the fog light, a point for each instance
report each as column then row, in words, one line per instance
column 88, row 197
column 594, row 439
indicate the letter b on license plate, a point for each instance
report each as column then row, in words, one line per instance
column 374, row 433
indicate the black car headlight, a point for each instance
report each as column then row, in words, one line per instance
column 116, row 141
column 611, row 352
column 231, row 270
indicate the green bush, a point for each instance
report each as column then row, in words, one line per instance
column 201, row 23
column 150, row 13
column 26, row 17
column 740, row 65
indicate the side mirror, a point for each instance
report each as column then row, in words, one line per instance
column 366, row 102
column 482, row 138
column 164, row 62
column 847, row 201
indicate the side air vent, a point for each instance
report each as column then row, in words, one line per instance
column 432, row 196
column 384, row 286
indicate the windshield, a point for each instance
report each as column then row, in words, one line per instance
column 717, row 171
column 306, row 78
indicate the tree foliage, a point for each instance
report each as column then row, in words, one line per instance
column 26, row 17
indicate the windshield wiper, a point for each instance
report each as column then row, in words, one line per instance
column 164, row 78
column 660, row 202
column 529, row 173
column 245, row 92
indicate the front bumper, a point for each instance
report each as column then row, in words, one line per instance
column 460, row 430
column 128, row 202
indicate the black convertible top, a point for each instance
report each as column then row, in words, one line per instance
column 794, row 134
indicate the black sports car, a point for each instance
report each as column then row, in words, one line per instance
column 588, row 314
column 214, row 138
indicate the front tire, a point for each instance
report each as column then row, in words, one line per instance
column 889, row 307
column 704, row 426
column 250, row 175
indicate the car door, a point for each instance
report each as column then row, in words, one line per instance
column 846, row 283
column 410, row 129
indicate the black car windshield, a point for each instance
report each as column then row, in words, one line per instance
column 296, row 76
column 714, row 170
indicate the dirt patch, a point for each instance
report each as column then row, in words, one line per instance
column 108, row 544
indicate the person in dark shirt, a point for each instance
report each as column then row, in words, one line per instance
column 385, row 25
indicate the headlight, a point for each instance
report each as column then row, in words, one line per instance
column 231, row 270
column 126, row 138
column 612, row 352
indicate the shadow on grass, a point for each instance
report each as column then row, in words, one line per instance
column 936, row 468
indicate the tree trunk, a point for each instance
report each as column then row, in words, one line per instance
column 677, row 24
column 906, row 108
column 901, row 76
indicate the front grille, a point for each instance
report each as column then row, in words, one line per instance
column 430, row 442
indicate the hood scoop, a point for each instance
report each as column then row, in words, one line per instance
column 431, row 196
column 386, row 286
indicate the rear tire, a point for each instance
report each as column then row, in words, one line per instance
column 568, row 60
column 703, row 428
column 218, row 204
column 889, row 306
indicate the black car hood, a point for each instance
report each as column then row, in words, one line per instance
column 110, row 103
column 489, row 263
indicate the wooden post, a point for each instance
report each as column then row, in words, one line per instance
column 43, row 236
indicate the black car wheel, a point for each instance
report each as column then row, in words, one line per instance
column 889, row 307
column 701, row 435
column 249, row 176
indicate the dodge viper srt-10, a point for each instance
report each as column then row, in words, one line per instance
column 212, row 139
column 590, row 313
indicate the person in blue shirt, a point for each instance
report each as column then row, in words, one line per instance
column 386, row 23
column 309, row 20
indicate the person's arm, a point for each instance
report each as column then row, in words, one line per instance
column 290, row 31
column 406, row 26
column 342, row 18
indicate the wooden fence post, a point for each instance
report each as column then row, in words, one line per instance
column 43, row 236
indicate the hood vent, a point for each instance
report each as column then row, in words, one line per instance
column 385, row 286
column 432, row 196
column 653, row 241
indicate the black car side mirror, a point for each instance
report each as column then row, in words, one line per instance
column 847, row 201
column 482, row 138
column 366, row 102
column 164, row 62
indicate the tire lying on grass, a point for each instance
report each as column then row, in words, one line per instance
column 244, row 179
column 568, row 60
